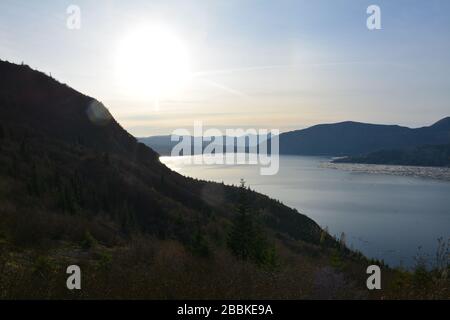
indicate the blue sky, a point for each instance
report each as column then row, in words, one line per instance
column 262, row 64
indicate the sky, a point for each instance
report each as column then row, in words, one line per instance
column 252, row 63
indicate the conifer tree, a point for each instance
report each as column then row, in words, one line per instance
column 247, row 239
column 241, row 237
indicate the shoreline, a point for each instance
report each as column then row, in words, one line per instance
column 434, row 173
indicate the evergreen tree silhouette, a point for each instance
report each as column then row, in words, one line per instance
column 241, row 237
column 248, row 240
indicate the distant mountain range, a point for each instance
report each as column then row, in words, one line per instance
column 344, row 139
column 164, row 144
column 355, row 138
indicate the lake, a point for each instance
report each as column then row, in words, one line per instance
column 385, row 216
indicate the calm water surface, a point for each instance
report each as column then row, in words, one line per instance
column 385, row 216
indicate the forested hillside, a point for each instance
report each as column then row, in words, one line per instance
column 75, row 188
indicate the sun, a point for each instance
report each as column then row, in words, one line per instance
column 152, row 63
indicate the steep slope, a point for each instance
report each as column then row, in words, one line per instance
column 70, row 142
column 37, row 101
column 75, row 188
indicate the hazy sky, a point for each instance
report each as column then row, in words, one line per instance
column 263, row 64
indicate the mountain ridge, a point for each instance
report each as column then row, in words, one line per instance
column 355, row 138
column 42, row 98
column 346, row 138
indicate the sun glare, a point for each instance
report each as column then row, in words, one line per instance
column 152, row 63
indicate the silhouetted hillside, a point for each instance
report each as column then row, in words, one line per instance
column 36, row 108
column 75, row 188
column 34, row 100
column 354, row 138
